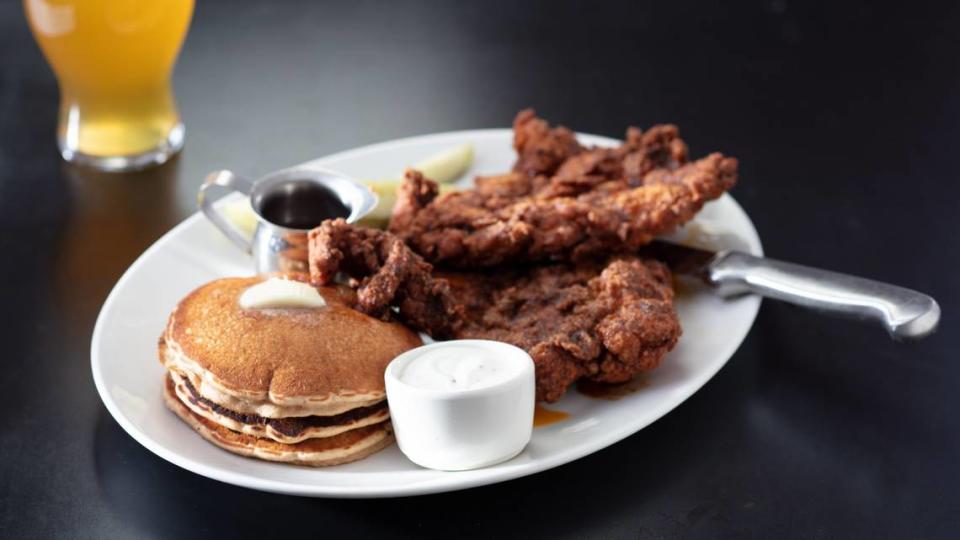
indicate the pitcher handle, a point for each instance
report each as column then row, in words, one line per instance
column 224, row 180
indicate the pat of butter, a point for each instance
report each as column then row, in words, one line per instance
column 281, row 293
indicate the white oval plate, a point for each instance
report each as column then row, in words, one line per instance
column 129, row 377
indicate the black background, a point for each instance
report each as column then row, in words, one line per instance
column 845, row 119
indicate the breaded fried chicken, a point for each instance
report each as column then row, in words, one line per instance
column 484, row 228
column 550, row 248
column 563, row 202
column 386, row 274
column 657, row 148
column 540, row 148
column 602, row 321
column 605, row 321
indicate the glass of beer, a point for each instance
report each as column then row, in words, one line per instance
column 113, row 60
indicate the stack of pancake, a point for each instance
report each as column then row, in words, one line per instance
column 296, row 385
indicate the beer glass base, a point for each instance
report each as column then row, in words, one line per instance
column 155, row 156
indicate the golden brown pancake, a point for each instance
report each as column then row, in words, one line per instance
column 279, row 363
column 286, row 430
column 343, row 448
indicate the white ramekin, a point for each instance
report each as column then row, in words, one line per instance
column 455, row 430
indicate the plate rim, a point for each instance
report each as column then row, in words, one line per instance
column 450, row 481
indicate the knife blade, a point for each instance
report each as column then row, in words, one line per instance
column 904, row 313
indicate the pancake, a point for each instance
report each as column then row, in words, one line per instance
column 280, row 363
column 285, row 430
column 343, row 448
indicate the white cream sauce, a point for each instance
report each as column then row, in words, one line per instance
column 458, row 367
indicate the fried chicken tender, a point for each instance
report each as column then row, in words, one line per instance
column 386, row 273
column 603, row 321
column 550, row 248
column 488, row 227
column 412, row 195
column 562, row 202
column 643, row 151
column 540, row 149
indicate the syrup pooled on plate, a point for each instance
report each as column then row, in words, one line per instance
column 544, row 417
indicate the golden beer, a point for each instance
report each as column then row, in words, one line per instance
column 113, row 60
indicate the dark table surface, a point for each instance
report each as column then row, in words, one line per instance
column 845, row 118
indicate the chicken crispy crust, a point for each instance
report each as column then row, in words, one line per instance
column 540, row 148
column 386, row 273
column 549, row 247
column 603, row 321
column 599, row 201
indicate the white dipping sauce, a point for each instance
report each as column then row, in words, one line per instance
column 461, row 404
column 457, row 367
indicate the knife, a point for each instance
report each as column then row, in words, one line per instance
column 906, row 314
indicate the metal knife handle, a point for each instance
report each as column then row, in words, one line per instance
column 903, row 312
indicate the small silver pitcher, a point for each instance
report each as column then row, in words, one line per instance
column 285, row 203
